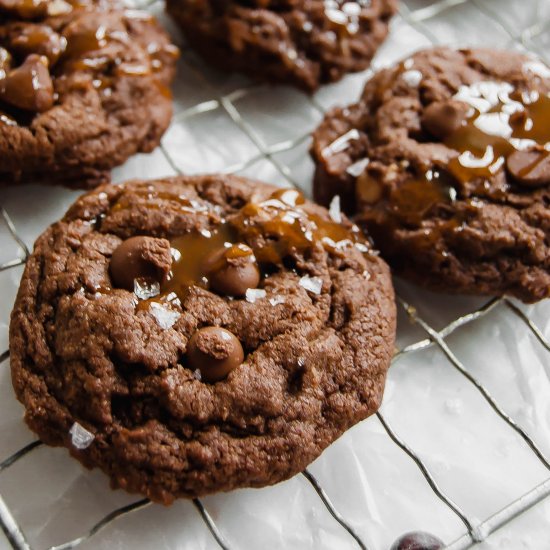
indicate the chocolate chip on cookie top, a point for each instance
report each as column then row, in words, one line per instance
column 202, row 333
column 305, row 43
column 69, row 72
column 214, row 352
column 446, row 159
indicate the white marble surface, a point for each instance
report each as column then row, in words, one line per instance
column 474, row 456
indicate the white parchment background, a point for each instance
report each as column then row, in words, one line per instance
column 477, row 460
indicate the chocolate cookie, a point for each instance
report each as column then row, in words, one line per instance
column 194, row 335
column 83, row 86
column 301, row 42
column 445, row 160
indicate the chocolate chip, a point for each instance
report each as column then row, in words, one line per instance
column 215, row 352
column 140, row 258
column 231, row 271
column 29, row 86
column 39, row 39
column 26, row 9
column 442, row 118
column 530, row 168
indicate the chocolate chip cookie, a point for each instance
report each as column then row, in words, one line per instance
column 445, row 160
column 302, row 42
column 199, row 334
column 83, row 86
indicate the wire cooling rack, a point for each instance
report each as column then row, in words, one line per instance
column 228, row 124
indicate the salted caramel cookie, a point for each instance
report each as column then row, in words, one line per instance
column 199, row 334
column 445, row 160
column 302, row 42
column 83, row 86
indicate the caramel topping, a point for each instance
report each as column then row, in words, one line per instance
column 26, row 9
column 501, row 121
column 493, row 127
column 85, row 40
column 284, row 228
column 29, row 87
column 190, row 253
column 226, row 258
column 39, row 39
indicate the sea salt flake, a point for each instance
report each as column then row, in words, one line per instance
column 163, row 316
column 254, row 294
column 357, row 168
column 176, row 254
column 334, row 209
column 197, row 375
column 81, row 438
column 276, row 300
column 412, row 78
column 537, row 68
column 311, row 284
column 341, row 143
column 145, row 289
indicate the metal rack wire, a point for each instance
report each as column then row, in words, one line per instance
column 418, row 15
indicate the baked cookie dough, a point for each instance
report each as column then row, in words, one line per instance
column 445, row 160
column 83, row 86
column 199, row 334
column 301, row 42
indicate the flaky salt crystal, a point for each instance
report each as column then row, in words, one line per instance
column 334, row 209
column 81, row 438
column 176, row 254
column 311, row 284
column 276, row 300
column 357, row 168
column 341, row 143
column 253, row 294
column 163, row 316
column 144, row 289
column 412, row 78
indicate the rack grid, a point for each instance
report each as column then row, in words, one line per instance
column 530, row 35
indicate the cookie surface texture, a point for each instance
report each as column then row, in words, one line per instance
column 302, row 42
column 199, row 334
column 83, row 86
column 445, row 160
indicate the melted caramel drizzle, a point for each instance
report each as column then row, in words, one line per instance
column 283, row 226
column 501, row 121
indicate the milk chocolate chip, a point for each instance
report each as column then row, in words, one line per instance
column 231, row 271
column 215, row 352
column 29, row 87
column 530, row 168
column 26, row 9
column 443, row 118
column 140, row 258
column 39, row 39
